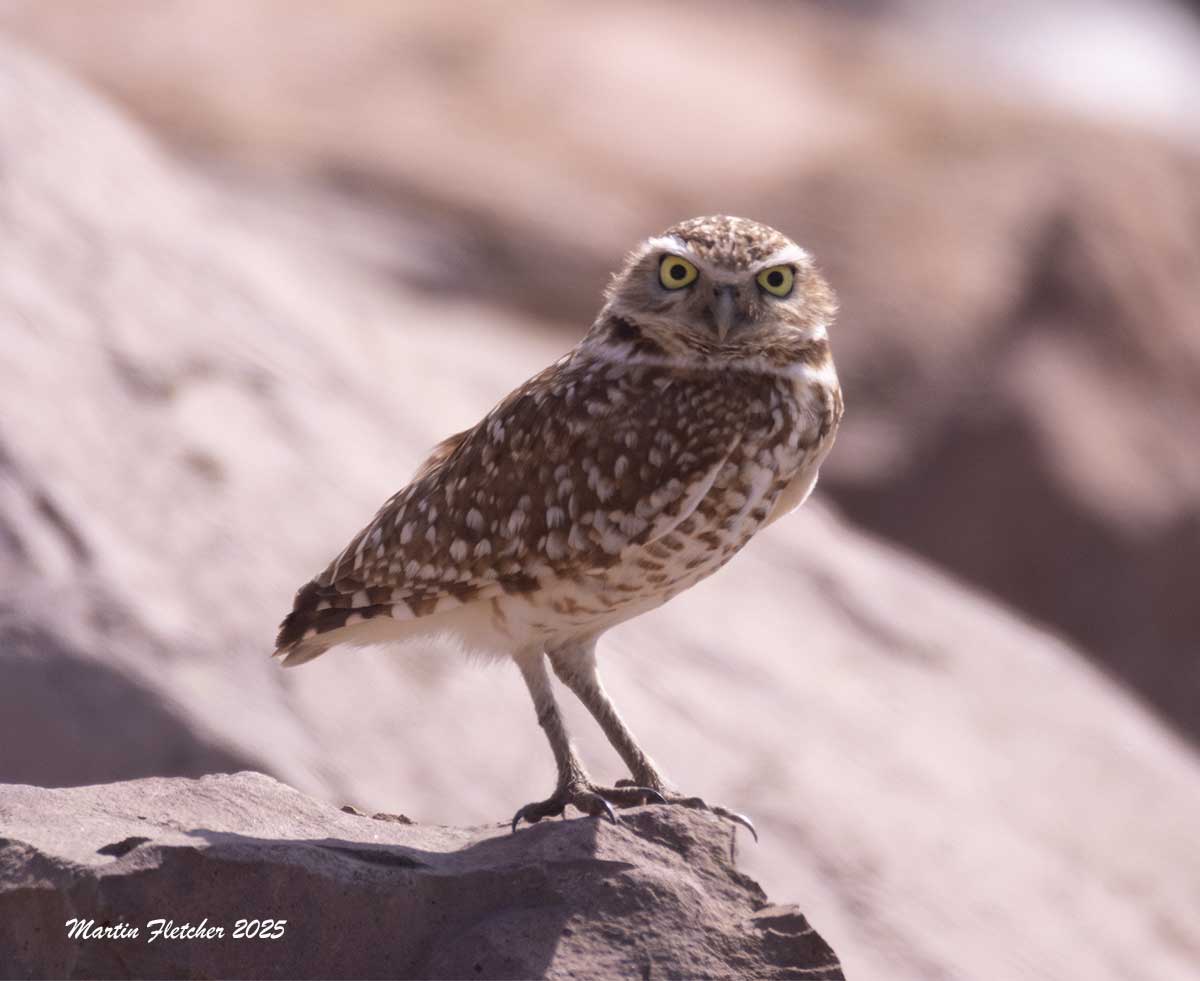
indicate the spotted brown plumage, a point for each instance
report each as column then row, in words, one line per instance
column 687, row 419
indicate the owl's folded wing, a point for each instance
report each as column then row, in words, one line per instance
column 565, row 477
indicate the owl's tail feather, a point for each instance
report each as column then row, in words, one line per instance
column 309, row 630
column 303, row 652
column 313, row 627
column 296, row 624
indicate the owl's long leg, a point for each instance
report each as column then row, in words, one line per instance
column 533, row 670
column 573, row 786
column 576, row 668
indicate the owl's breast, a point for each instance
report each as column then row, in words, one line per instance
column 774, row 443
column 773, row 470
column 739, row 502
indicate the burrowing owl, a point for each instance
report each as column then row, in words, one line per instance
column 695, row 412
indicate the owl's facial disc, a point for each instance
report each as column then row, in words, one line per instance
column 716, row 287
column 725, row 300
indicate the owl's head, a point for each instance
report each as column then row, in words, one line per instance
column 717, row 287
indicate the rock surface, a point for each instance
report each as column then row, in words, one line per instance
column 656, row 896
column 196, row 410
column 1018, row 339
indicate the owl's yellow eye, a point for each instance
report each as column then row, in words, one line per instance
column 777, row 280
column 675, row 272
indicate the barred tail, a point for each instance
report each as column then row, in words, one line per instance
column 314, row 625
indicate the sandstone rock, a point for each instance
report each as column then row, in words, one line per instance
column 656, row 896
column 195, row 413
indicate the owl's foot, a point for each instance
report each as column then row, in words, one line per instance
column 699, row 804
column 594, row 801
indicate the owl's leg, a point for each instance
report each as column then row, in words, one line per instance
column 573, row 786
column 576, row 668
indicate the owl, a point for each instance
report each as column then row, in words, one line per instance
column 695, row 411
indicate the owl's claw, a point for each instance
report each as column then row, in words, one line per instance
column 591, row 800
column 736, row 818
column 608, row 811
column 629, row 794
column 533, row 813
column 699, row 804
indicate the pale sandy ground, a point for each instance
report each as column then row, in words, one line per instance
column 212, row 408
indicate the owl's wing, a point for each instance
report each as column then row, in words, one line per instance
column 440, row 454
column 583, row 463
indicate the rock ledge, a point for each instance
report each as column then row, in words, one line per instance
column 656, row 896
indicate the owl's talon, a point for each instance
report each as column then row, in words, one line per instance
column 533, row 813
column 647, row 795
column 628, row 794
column 737, row 818
column 608, row 810
column 592, row 801
column 650, row 795
column 699, row 804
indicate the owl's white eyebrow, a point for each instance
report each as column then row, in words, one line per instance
column 789, row 253
column 669, row 243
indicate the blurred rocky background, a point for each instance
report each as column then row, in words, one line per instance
column 256, row 257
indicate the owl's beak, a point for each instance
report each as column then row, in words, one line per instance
column 724, row 309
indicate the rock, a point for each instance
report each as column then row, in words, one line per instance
column 1027, row 421
column 197, row 409
column 657, row 895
